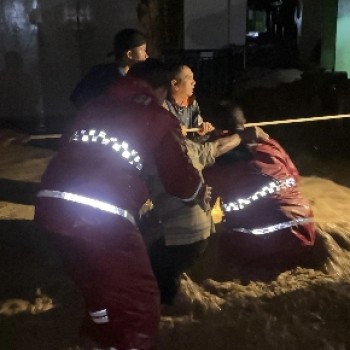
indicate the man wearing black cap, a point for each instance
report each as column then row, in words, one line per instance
column 129, row 48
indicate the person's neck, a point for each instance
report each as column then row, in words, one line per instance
column 180, row 100
column 124, row 69
column 123, row 65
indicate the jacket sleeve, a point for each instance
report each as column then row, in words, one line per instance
column 202, row 155
column 286, row 160
column 175, row 169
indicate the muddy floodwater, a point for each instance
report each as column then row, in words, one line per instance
column 306, row 307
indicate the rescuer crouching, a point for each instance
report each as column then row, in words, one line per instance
column 267, row 220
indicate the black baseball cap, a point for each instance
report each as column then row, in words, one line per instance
column 127, row 39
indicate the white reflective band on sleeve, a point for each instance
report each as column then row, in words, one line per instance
column 94, row 203
column 274, row 228
column 121, row 147
column 99, row 316
column 195, row 194
column 272, row 187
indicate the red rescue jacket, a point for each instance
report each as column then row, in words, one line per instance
column 93, row 161
column 262, row 203
column 91, row 191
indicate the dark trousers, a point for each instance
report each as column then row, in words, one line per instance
column 113, row 272
column 169, row 262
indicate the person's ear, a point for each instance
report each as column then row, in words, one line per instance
column 129, row 54
column 173, row 83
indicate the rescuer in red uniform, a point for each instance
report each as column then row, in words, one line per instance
column 92, row 191
column 267, row 220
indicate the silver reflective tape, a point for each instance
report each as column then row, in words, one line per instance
column 101, row 137
column 98, row 313
column 94, row 203
column 100, row 320
column 272, row 187
column 273, row 228
column 99, row 316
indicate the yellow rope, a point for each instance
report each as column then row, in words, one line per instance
column 45, row 136
column 298, row 120
column 275, row 122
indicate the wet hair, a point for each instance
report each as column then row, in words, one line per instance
column 225, row 116
column 227, row 119
column 153, row 71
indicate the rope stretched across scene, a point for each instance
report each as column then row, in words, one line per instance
column 298, row 120
column 275, row 122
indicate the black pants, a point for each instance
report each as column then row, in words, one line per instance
column 169, row 262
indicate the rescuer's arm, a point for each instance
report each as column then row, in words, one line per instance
column 225, row 144
column 177, row 173
column 247, row 135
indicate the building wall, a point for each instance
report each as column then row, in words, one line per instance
column 311, row 31
column 214, row 24
column 342, row 39
column 325, row 32
column 237, row 22
column 19, row 85
column 328, row 34
column 56, row 49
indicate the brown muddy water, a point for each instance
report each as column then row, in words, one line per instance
column 306, row 307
